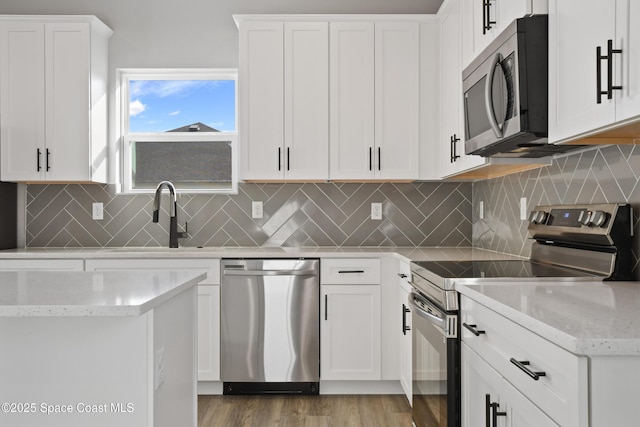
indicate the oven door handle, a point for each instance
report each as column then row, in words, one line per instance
column 435, row 319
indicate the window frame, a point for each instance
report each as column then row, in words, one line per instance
column 125, row 75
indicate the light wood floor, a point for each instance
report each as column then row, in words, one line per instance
column 308, row 411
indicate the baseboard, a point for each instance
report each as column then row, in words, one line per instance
column 326, row 387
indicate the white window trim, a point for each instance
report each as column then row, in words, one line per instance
column 125, row 75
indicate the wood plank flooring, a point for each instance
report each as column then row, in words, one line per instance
column 307, row 411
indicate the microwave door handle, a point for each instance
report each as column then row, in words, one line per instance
column 488, row 98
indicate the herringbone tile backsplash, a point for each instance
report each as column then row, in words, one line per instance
column 609, row 174
column 310, row 214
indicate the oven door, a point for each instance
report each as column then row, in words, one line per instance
column 436, row 364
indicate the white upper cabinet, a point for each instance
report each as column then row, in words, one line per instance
column 483, row 20
column 53, row 99
column 374, row 100
column 284, row 100
column 584, row 97
column 450, row 147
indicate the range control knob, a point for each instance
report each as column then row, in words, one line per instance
column 586, row 218
column 541, row 217
column 598, row 218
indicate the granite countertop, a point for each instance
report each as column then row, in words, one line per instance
column 83, row 294
column 585, row 318
column 407, row 253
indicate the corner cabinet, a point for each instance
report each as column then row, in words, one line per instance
column 53, row 99
column 374, row 100
column 284, row 97
column 583, row 97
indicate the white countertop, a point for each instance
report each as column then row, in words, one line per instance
column 408, row 253
column 82, row 294
column 585, row 318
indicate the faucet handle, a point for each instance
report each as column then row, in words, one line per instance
column 184, row 234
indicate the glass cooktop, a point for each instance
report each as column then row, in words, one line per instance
column 496, row 269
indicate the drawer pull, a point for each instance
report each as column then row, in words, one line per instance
column 350, row 271
column 473, row 329
column 522, row 365
column 402, row 275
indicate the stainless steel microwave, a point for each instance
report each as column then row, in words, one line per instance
column 506, row 94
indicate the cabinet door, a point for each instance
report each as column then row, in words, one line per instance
column 261, row 63
column 208, row 333
column 306, row 101
column 67, row 85
column 575, row 30
column 350, row 332
column 406, row 346
column 479, row 380
column 22, row 102
column 351, row 100
column 450, row 91
column 627, row 38
column 521, row 412
column 397, row 102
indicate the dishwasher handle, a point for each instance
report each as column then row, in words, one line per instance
column 269, row 272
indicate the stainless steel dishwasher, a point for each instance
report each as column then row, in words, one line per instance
column 270, row 326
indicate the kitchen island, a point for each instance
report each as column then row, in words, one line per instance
column 98, row 348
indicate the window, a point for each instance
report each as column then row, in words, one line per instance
column 179, row 126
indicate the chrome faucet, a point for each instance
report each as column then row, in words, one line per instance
column 174, row 235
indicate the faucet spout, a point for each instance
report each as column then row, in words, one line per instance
column 173, row 212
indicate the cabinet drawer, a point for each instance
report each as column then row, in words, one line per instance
column 350, row 271
column 561, row 392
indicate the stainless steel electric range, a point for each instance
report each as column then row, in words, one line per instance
column 571, row 242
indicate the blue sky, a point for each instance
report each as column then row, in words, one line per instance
column 162, row 105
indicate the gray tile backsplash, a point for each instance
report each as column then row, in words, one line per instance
column 610, row 174
column 310, row 214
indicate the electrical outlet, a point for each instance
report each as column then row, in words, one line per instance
column 376, row 211
column 523, row 208
column 256, row 210
column 97, row 211
column 481, row 210
column 159, row 368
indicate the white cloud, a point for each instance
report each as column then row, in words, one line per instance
column 174, row 113
column 164, row 88
column 136, row 107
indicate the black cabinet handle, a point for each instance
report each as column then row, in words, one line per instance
column 279, row 158
column 350, row 271
column 454, row 154
column 48, row 155
column 487, row 410
column 473, row 329
column 379, row 158
column 522, row 365
column 38, row 154
column 599, row 59
column 288, row 159
column 402, row 275
column 405, row 328
column 486, row 16
column 496, row 414
column 326, row 303
column 370, row 158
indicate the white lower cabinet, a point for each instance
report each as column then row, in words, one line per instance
column 208, row 302
column 208, row 333
column 488, row 398
column 350, row 330
column 551, row 383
